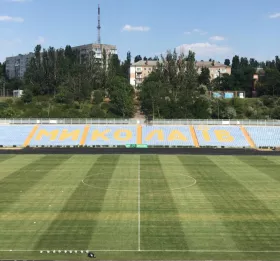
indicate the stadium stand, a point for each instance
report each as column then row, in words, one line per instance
column 14, row 135
column 57, row 135
column 218, row 136
column 111, row 135
column 264, row 136
column 51, row 135
column 167, row 136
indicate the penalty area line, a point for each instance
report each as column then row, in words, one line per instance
column 155, row 250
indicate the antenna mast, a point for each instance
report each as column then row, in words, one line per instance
column 99, row 27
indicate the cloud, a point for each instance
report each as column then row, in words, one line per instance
column 273, row 16
column 6, row 18
column 41, row 40
column 204, row 49
column 197, row 31
column 217, row 38
column 130, row 28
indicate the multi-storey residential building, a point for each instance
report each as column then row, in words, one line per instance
column 216, row 69
column 97, row 49
column 16, row 66
column 140, row 70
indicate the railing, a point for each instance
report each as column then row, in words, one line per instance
column 140, row 121
column 71, row 121
column 218, row 122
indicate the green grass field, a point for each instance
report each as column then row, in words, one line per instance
column 140, row 207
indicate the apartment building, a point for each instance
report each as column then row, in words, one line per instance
column 98, row 49
column 140, row 70
column 216, row 69
column 16, row 65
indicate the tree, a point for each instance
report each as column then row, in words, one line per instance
column 27, row 96
column 202, row 107
column 276, row 113
column 156, row 58
column 115, row 62
column 235, row 62
column 204, row 77
column 151, row 97
column 253, row 63
column 271, row 82
column 2, row 70
column 97, row 112
column 121, row 96
column 98, row 96
column 125, row 67
column 137, row 58
column 227, row 62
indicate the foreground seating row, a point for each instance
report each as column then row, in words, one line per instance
column 113, row 135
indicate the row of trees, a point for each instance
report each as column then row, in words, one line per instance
column 242, row 74
column 175, row 90
column 76, row 85
column 66, row 77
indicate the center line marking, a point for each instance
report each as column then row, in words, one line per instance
column 139, row 235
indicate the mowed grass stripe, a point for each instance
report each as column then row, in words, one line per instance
column 76, row 233
column 163, row 233
column 5, row 157
column 265, row 188
column 32, row 214
column 22, row 180
column 15, row 163
column 202, row 226
column 229, row 197
column 118, row 220
column 263, row 164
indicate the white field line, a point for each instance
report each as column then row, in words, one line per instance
column 158, row 250
column 139, row 208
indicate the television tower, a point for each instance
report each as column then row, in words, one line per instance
column 99, row 27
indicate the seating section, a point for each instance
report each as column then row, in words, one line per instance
column 57, row 135
column 217, row 136
column 113, row 135
column 14, row 135
column 167, row 136
column 265, row 136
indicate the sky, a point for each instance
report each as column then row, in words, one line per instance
column 216, row 29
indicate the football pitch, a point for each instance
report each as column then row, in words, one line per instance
column 139, row 207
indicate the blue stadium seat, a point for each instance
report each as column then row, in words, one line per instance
column 171, row 135
column 217, row 136
column 111, row 135
column 57, row 135
column 265, row 136
column 11, row 135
